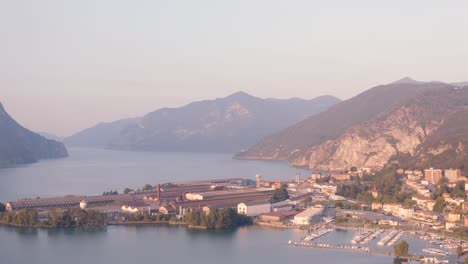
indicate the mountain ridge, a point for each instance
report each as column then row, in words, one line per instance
column 226, row 124
column 373, row 136
column 19, row 145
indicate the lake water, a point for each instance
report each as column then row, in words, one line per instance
column 161, row 244
column 91, row 171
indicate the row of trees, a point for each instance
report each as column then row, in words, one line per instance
column 139, row 217
column 110, row 192
column 24, row 217
column 146, row 187
column 75, row 217
column 218, row 219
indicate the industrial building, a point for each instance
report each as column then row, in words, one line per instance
column 310, row 214
column 254, row 208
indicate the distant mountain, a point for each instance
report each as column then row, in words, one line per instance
column 407, row 80
column 19, row 145
column 51, row 136
column 415, row 124
column 460, row 84
column 99, row 135
column 227, row 124
column 295, row 140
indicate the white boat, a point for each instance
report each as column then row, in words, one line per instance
column 435, row 251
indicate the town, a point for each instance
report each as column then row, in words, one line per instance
column 380, row 204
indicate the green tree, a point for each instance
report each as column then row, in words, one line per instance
column 2, row 207
column 279, row 195
column 439, row 205
column 459, row 250
column 127, row 190
column 401, row 249
column 147, row 187
column 353, row 169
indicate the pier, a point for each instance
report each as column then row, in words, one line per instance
column 350, row 248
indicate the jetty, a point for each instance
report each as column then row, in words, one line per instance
column 350, row 248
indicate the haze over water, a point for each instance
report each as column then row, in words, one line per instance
column 93, row 171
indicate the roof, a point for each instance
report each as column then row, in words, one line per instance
column 284, row 213
column 256, row 202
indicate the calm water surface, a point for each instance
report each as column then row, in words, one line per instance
column 161, row 244
column 90, row 171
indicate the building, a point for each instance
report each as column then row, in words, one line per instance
column 283, row 206
column 424, row 202
column 308, row 215
column 315, row 176
column 453, row 175
column 376, row 206
column 453, row 217
column 254, row 208
column 412, row 177
column 450, row 225
column 405, row 212
column 433, row 176
column 326, row 188
column 340, row 176
column 228, row 194
column 390, row 208
column 388, row 222
column 277, row 216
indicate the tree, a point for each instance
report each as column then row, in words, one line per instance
column 439, row 205
column 401, row 249
column 279, row 195
column 127, row 190
column 353, row 169
column 2, row 207
column 459, row 250
column 147, row 187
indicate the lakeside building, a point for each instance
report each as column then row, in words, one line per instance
column 198, row 196
column 253, row 208
column 308, row 215
column 279, row 216
column 286, row 205
column 433, row 176
column 424, row 202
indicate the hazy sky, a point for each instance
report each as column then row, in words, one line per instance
column 66, row 65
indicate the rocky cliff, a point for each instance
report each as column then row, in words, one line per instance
column 19, row 145
column 409, row 130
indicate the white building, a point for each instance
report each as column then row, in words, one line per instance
column 254, row 208
column 308, row 215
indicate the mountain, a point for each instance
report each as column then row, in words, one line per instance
column 227, row 124
column 99, row 135
column 407, row 80
column 412, row 123
column 51, row 136
column 460, row 84
column 19, row 145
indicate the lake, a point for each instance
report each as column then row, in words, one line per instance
column 92, row 171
